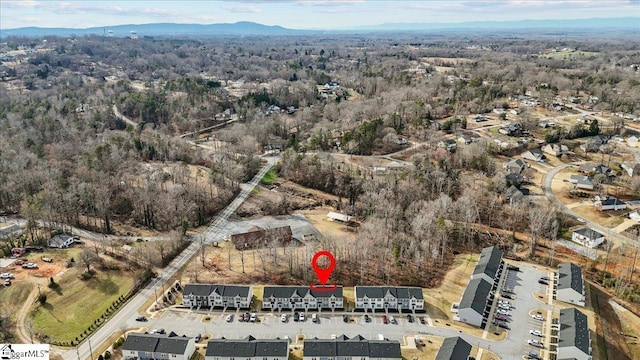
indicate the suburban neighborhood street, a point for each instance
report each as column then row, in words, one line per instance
column 215, row 232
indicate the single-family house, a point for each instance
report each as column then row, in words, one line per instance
column 248, row 348
column 515, row 166
column 555, row 149
column 217, row 296
column 355, row 348
column 514, row 195
column 157, row 347
column 454, row 348
column 257, row 237
column 449, row 144
column 301, row 298
column 389, row 298
column 587, row 237
column 570, row 287
column 62, row 241
column 604, row 170
column 574, row 340
column 582, row 182
column 533, row 154
column 586, row 168
column 605, row 203
column 511, row 129
column 481, row 118
column 473, row 304
column 632, row 169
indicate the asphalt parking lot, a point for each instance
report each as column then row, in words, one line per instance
column 524, row 284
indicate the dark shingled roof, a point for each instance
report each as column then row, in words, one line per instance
column 156, row 343
column 475, row 295
column 570, row 276
column 222, row 290
column 356, row 346
column 454, row 348
column 301, row 291
column 248, row 347
column 381, row 291
column 574, row 330
column 489, row 262
column 589, row 233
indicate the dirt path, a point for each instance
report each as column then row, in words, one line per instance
column 21, row 330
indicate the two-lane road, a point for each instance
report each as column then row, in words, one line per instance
column 215, row 232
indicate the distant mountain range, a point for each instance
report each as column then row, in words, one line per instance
column 246, row 28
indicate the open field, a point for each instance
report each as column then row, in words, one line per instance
column 71, row 309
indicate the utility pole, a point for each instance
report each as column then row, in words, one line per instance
column 90, row 350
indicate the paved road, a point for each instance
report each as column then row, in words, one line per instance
column 215, row 232
column 546, row 186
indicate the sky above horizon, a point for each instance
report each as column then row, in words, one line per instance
column 301, row 14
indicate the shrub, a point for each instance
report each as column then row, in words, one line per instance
column 107, row 354
column 42, row 299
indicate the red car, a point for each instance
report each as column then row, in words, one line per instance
column 384, row 319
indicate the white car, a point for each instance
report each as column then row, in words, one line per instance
column 6, row 276
column 535, row 332
column 254, row 317
column 503, row 312
column 229, row 318
column 505, row 307
column 504, row 302
column 301, row 316
column 283, row 317
column 535, row 343
column 392, row 320
column 581, row 220
column 537, row 317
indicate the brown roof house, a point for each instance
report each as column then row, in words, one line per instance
column 257, row 237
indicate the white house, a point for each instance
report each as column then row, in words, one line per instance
column 301, row 297
column 62, row 241
column 588, row 237
column 605, row 203
column 570, row 284
column 156, row 346
column 248, row 348
column 533, row 154
column 217, row 296
column 389, row 298
column 574, row 341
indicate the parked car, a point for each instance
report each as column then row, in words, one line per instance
column 345, row 318
column 422, row 321
column 504, row 302
column 392, row 319
column 535, row 332
column 581, row 220
column 296, row 316
column 534, row 356
column 6, row 275
column 141, row 318
column 246, row 316
column 409, row 318
column 506, row 295
column 502, row 318
column 504, row 307
column 253, row 317
column 7, row 282
column 503, row 312
column 501, row 324
column 367, row 318
column 315, row 318
column 513, row 267
column 384, row 319
column 543, row 282
column 229, row 318
column 30, row 266
column 301, row 316
column 283, row 317
column 535, row 343
column 198, row 337
column 537, row 317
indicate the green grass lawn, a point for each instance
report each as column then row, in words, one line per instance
column 269, row 177
column 79, row 303
column 13, row 297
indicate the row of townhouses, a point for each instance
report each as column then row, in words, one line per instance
column 484, row 280
column 162, row 347
column 368, row 298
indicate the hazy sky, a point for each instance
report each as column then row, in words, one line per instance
column 300, row 14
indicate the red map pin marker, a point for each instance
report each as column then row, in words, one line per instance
column 323, row 274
